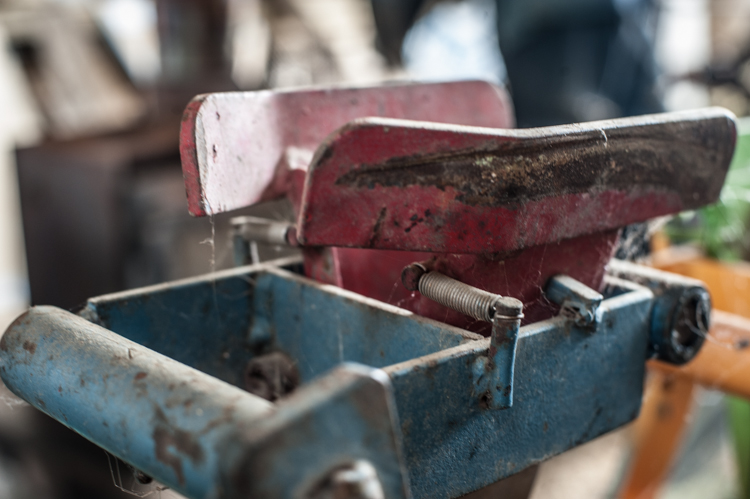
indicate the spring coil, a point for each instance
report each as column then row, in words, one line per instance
column 459, row 296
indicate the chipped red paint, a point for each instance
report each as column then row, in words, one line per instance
column 393, row 184
column 521, row 274
column 189, row 157
column 234, row 145
column 502, row 210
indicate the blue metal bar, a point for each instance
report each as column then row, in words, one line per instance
column 167, row 419
column 570, row 384
column 195, row 433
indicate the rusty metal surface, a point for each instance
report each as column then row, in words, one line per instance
column 235, row 147
column 140, row 406
column 464, row 201
column 570, row 387
column 467, row 198
column 570, row 384
column 390, row 184
column 191, row 431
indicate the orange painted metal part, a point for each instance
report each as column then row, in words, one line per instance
column 724, row 361
column 723, row 364
column 659, row 430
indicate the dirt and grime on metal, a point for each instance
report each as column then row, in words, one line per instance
column 511, row 172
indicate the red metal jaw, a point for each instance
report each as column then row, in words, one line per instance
column 502, row 210
column 393, row 184
column 238, row 148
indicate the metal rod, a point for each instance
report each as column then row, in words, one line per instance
column 166, row 419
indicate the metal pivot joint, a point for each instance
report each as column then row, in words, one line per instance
column 248, row 231
column 577, row 301
column 493, row 374
column 680, row 314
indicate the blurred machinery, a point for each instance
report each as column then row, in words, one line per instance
column 516, row 337
column 103, row 199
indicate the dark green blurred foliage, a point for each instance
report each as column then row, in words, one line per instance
column 722, row 228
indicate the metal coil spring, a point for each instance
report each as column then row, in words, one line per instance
column 459, row 296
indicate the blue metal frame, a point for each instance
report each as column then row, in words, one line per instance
column 149, row 375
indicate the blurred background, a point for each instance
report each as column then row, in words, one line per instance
column 92, row 198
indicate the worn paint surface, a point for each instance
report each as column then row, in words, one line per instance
column 235, row 147
column 321, row 326
column 393, row 184
column 470, row 198
column 521, row 275
column 201, row 322
column 193, row 432
column 570, row 385
column 143, row 407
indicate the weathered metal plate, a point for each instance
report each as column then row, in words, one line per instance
column 392, row 184
column 191, row 431
column 570, row 387
column 201, row 322
column 234, row 145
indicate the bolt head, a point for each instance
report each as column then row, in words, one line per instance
column 509, row 307
column 411, row 275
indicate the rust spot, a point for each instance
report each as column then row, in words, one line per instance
column 59, row 389
column 29, row 346
column 83, row 382
column 140, row 375
column 169, row 443
column 545, row 427
column 226, row 417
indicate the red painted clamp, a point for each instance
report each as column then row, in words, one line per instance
column 433, row 173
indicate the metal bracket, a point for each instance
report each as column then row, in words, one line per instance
column 576, row 300
column 493, row 374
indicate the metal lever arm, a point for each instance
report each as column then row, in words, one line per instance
column 234, row 146
column 395, row 184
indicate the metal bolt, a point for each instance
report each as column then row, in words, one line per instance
column 411, row 275
column 267, row 231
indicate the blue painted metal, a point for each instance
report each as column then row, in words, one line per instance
column 575, row 299
column 141, row 406
column 201, row 436
column 493, row 374
column 681, row 312
column 189, row 341
column 320, row 326
column 570, row 387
